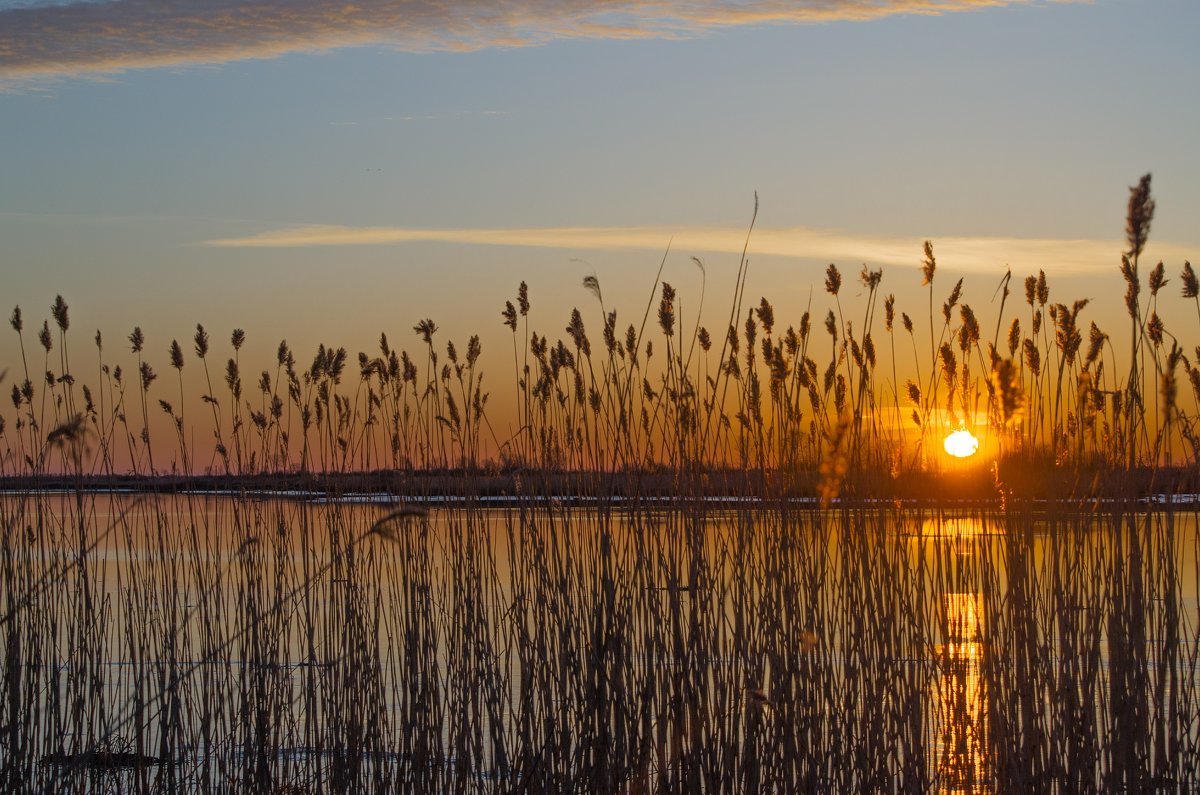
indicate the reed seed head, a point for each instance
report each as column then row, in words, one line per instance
column 233, row 378
column 1014, row 336
column 949, row 363
column 1191, row 286
column 1154, row 329
column 952, row 301
column 766, row 316
column 1138, row 217
column 1157, row 279
column 666, row 310
column 1096, row 340
column 913, row 391
column 970, row 326
column 592, row 285
column 869, row 278
column 833, row 280
column 201, row 341
column 475, row 348
column 523, row 299
column 73, row 430
column 1033, row 357
column 1169, row 385
column 59, row 310
column 791, row 341
column 610, row 332
column 1133, row 285
column 425, row 329
column 575, row 329
column 928, row 265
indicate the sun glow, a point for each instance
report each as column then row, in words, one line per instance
column 961, row 444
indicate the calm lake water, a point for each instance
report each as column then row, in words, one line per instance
column 218, row 643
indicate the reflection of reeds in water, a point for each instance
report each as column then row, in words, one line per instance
column 218, row 641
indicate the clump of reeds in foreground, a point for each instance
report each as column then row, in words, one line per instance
column 767, row 396
column 196, row 643
column 268, row 644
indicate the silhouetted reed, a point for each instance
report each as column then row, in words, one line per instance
column 199, row 643
column 806, row 631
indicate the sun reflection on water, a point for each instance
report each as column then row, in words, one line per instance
column 957, row 527
column 958, row 693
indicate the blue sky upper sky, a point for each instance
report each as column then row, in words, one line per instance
column 323, row 172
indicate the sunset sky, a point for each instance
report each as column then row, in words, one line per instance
column 322, row 173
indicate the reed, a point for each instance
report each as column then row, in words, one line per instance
column 200, row 643
column 790, row 636
column 766, row 400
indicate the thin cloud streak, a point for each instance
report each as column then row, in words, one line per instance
column 89, row 38
column 979, row 254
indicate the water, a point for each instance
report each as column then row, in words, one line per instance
column 224, row 641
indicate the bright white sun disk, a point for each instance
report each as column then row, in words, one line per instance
column 961, row 444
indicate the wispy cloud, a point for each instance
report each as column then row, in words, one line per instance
column 985, row 254
column 96, row 38
column 459, row 114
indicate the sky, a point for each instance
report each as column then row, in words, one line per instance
column 322, row 172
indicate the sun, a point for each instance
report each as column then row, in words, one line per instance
column 961, row 444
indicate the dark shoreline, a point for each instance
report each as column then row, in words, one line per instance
column 1011, row 482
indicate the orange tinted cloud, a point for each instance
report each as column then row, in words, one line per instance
column 984, row 254
column 96, row 38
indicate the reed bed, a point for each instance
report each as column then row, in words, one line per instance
column 865, row 391
column 289, row 646
column 808, row 631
